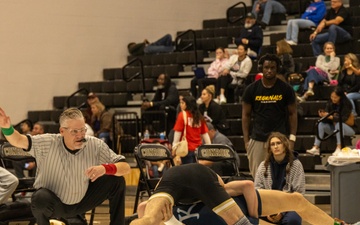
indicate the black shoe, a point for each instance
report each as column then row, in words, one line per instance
column 263, row 25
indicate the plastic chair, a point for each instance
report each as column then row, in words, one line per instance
column 16, row 212
column 219, row 153
column 11, row 153
column 144, row 153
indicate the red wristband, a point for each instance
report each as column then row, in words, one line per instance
column 110, row 169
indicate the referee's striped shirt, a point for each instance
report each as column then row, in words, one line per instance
column 64, row 173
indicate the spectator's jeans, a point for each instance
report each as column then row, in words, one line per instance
column 293, row 27
column 335, row 34
column 268, row 8
column 353, row 96
column 162, row 45
column 312, row 76
column 329, row 129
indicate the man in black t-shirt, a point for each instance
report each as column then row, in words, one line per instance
column 272, row 103
column 337, row 26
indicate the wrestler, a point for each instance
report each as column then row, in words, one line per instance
column 187, row 183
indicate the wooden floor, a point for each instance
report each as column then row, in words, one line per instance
column 102, row 212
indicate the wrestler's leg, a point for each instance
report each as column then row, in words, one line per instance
column 246, row 188
column 278, row 201
column 232, row 214
column 151, row 215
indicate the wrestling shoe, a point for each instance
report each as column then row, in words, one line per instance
column 313, row 151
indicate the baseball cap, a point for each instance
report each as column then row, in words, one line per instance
column 91, row 95
column 250, row 15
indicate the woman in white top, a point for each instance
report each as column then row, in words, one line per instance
column 236, row 70
column 326, row 69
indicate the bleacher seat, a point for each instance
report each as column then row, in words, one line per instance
column 112, row 73
column 310, row 108
column 59, row 102
column 91, row 86
column 120, row 86
column 108, row 87
column 354, row 3
column 55, row 114
column 232, row 110
column 235, row 126
column 120, row 99
column 238, row 142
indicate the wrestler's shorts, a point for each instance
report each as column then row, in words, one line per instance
column 199, row 214
column 191, row 183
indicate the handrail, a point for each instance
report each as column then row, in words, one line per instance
column 335, row 131
column 73, row 94
column 193, row 43
column 141, row 73
column 229, row 19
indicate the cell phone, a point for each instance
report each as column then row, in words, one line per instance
column 26, row 165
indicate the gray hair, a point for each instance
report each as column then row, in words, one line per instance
column 70, row 114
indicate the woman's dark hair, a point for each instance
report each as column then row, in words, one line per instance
column 289, row 153
column 339, row 91
column 193, row 108
column 244, row 46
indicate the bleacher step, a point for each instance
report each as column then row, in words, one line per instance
column 317, row 179
column 318, row 197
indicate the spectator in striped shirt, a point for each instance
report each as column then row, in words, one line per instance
column 283, row 171
column 75, row 172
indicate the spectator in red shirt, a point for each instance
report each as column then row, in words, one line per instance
column 195, row 126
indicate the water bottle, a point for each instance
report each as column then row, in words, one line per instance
column 146, row 135
column 162, row 136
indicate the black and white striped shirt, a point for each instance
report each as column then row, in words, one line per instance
column 64, row 173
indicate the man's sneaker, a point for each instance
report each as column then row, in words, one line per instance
column 309, row 92
column 222, row 99
column 313, row 151
column 199, row 101
column 300, row 99
column 337, row 152
column 291, row 42
column 161, row 167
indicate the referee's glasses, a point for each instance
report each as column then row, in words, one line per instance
column 75, row 132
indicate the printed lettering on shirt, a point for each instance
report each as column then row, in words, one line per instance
column 268, row 98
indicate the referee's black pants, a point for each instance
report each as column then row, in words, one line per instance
column 45, row 205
